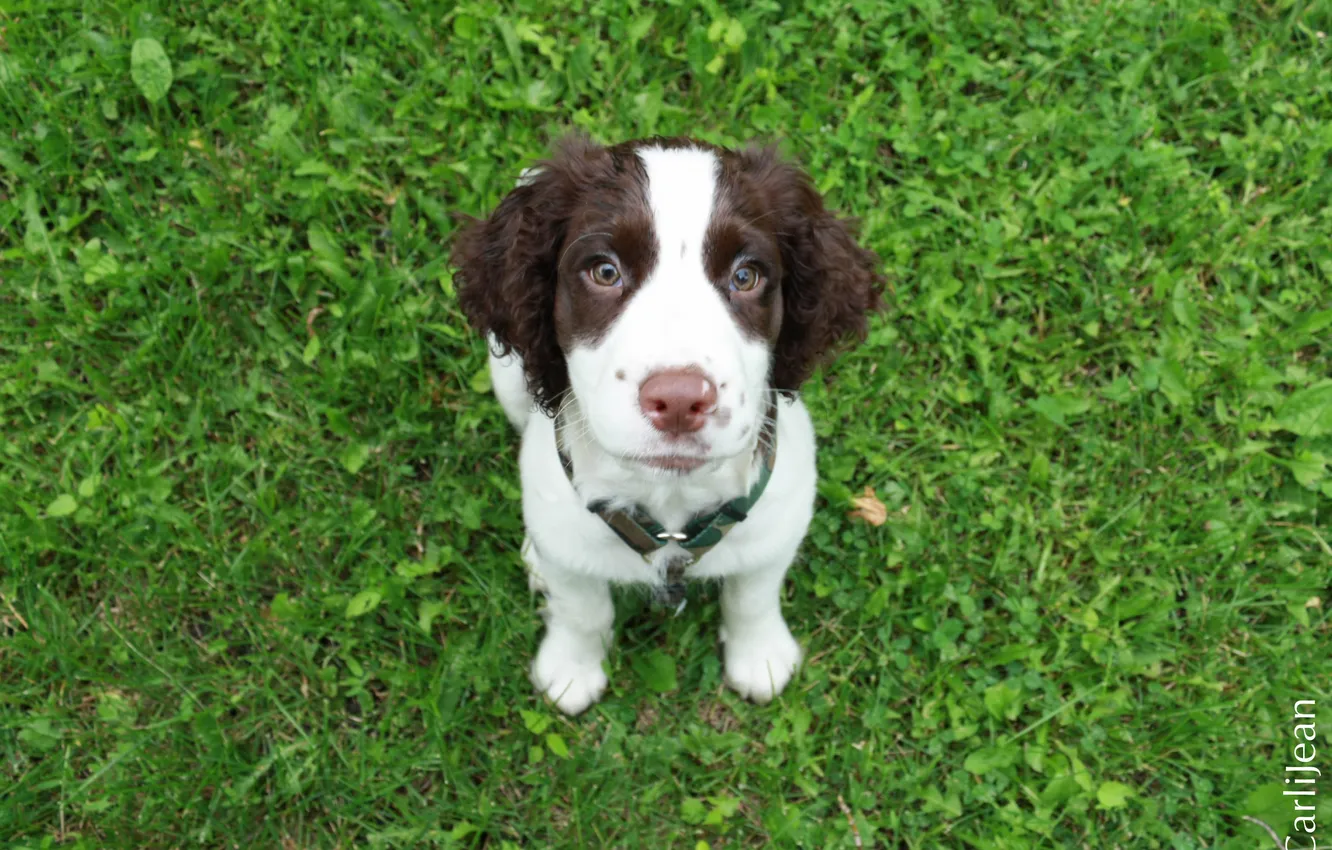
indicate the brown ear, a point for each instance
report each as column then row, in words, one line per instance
column 830, row 285
column 508, row 266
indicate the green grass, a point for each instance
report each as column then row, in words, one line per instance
column 259, row 583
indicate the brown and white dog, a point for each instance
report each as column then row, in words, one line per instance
column 647, row 304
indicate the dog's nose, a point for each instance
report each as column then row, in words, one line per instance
column 677, row 401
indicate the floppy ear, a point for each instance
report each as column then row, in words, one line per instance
column 508, row 267
column 830, row 284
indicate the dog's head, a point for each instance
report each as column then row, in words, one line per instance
column 669, row 284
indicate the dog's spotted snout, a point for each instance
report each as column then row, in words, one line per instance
column 677, row 401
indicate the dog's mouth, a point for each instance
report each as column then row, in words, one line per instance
column 673, row 463
column 682, row 455
column 679, row 455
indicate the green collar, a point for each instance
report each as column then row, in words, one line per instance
column 646, row 536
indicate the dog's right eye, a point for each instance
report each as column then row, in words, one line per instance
column 604, row 273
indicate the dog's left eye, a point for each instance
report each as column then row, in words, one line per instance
column 745, row 279
column 604, row 273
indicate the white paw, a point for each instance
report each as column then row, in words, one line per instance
column 760, row 662
column 569, row 672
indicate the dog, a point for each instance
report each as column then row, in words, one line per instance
column 651, row 310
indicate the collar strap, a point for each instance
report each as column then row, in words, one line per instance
column 640, row 532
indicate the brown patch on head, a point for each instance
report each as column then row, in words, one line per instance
column 818, row 285
column 739, row 235
column 611, row 222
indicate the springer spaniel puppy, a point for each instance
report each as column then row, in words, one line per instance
column 652, row 307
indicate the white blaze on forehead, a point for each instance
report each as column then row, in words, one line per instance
column 681, row 185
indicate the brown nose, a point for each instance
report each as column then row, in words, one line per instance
column 677, row 401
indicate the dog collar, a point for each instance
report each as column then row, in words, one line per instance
column 646, row 536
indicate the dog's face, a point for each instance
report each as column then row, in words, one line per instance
column 670, row 286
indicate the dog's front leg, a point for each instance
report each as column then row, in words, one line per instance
column 761, row 656
column 579, row 617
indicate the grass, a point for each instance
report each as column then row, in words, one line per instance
column 259, row 583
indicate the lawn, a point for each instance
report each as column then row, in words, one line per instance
column 259, row 518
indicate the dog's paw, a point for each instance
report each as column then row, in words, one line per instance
column 760, row 662
column 570, row 676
